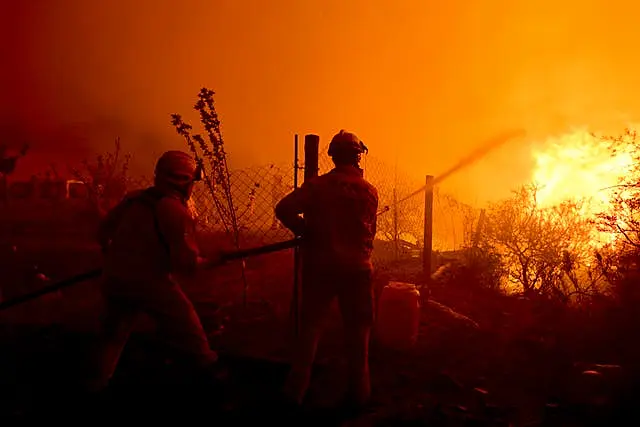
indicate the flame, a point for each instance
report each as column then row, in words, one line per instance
column 580, row 167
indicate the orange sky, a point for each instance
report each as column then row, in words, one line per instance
column 421, row 80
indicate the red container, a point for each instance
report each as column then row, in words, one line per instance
column 398, row 320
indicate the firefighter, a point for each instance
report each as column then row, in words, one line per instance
column 148, row 240
column 335, row 214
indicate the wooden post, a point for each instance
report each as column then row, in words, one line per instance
column 311, row 147
column 396, row 237
column 428, row 228
column 295, row 296
column 296, row 160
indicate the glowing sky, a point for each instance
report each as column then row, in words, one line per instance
column 419, row 80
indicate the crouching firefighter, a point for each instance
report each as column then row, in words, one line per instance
column 147, row 240
column 335, row 214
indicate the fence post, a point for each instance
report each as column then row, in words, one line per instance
column 295, row 296
column 395, row 224
column 428, row 228
column 311, row 147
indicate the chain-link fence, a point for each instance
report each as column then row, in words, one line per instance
column 256, row 190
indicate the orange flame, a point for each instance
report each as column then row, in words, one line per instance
column 580, row 167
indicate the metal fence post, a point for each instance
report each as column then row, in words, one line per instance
column 396, row 234
column 428, row 228
column 311, row 154
column 311, row 147
column 295, row 297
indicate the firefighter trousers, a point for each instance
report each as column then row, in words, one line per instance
column 354, row 291
column 175, row 317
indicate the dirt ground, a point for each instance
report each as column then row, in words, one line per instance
column 504, row 370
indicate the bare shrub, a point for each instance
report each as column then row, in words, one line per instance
column 106, row 178
column 217, row 178
column 545, row 251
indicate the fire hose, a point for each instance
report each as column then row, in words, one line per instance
column 94, row 274
column 478, row 153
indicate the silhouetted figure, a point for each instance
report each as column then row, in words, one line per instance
column 147, row 239
column 338, row 225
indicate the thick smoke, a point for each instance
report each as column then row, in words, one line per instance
column 420, row 81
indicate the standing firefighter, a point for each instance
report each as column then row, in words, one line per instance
column 335, row 214
column 148, row 239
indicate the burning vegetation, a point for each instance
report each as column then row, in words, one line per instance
column 572, row 232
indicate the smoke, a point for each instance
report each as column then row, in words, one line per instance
column 420, row 81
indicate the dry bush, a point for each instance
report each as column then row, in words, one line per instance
column 474, row 268
column 623, row 216
column 217, row 178
column 545, row 251
column 106, row 178
column 622, row 219
column 216, row 173
column 480, row 268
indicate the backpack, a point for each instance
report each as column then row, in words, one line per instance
column 150, row 198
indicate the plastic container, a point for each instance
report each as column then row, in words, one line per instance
column 398, row 320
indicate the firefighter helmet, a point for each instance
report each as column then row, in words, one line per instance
column 346, row 142
column 177, row 168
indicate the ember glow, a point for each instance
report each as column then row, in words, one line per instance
column 580, row 167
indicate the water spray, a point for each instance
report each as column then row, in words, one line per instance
column 471, row 158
